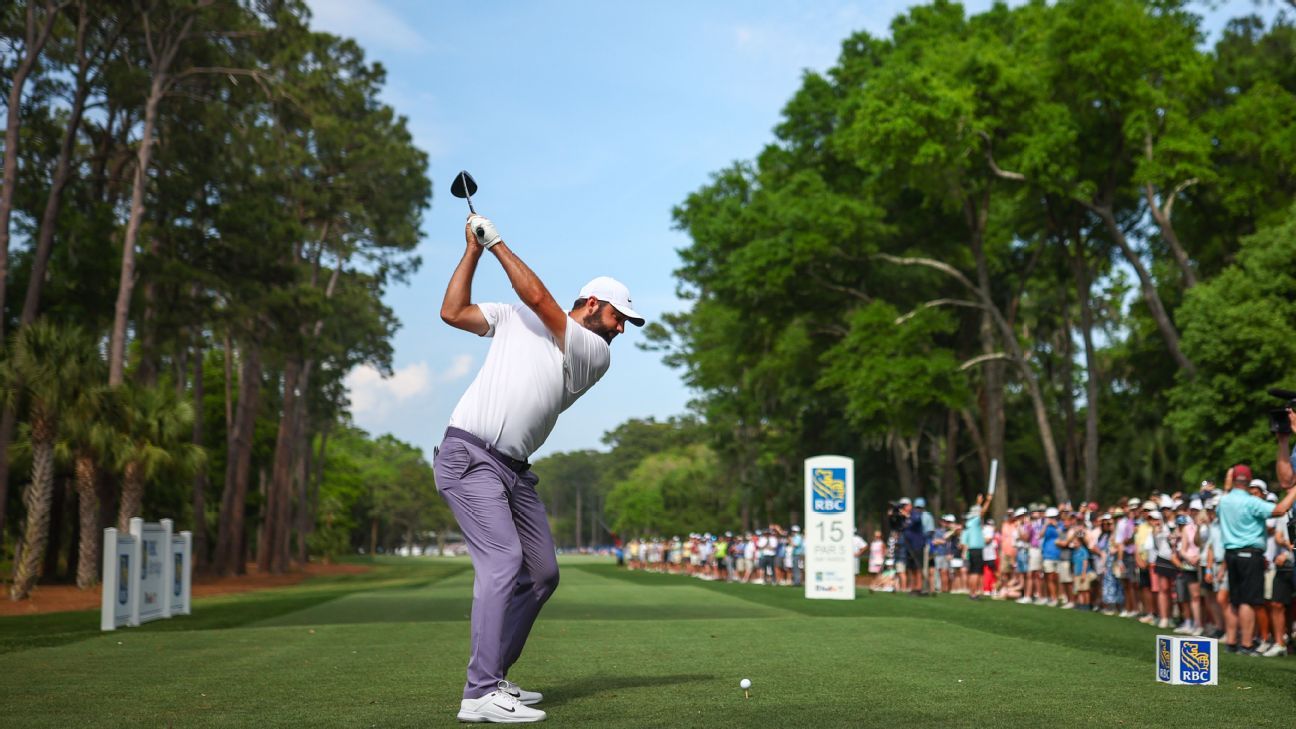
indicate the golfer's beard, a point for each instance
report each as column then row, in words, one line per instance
column 593, row 323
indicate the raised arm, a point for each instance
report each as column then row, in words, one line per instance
column 457, row 308
column 528, row 286
column 1286, row 479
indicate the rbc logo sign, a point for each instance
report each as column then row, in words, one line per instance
column 1194, row 661
column 829, row 490
column 1163, row 659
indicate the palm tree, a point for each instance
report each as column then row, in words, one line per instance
column 47, row 368
column 90, row 440
column 154, row 427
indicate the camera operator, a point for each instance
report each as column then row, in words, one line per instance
column 1242, row 525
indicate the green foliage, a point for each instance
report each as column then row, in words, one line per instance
column 676, row 491
column 1238, row 327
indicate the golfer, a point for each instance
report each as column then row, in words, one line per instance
column 541, row 359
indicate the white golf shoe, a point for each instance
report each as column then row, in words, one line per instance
column 524, row 697
column 498, row 707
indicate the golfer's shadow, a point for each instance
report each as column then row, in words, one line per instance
column 559, row 695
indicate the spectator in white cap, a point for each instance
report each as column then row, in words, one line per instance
column 1051, row 556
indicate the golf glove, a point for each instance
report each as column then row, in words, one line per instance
column 485, row 231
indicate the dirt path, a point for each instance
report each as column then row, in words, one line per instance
column 64, row 598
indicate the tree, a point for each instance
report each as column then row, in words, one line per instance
column 154, row 433
column 1235, row 326
column 47, row 368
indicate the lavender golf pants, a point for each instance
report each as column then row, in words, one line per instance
column 504, row 523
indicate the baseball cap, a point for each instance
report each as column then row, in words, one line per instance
column 1050, row 512
column 796, row 528
column 920, row 502
column 1195, row 505
column 1271, row 497
column 948, row 517
column 905, row 501
column 1259, row 484
column 1134, row 503
column 606, row 288
column 1019, row 511
column 1154, row 515
column 1242, row 473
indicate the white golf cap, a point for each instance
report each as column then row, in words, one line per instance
column 1259, row 484
column 606, row 288
column 1195, row 505
column 1050, row 512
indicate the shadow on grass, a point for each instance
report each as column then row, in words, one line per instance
column 227, row 611
column 593, row 685
column 1048, row 626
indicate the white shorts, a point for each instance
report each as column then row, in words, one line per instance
column 1035, row 559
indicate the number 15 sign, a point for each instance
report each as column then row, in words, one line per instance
column 830, row 561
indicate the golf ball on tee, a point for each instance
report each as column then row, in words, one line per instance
column 745, row 683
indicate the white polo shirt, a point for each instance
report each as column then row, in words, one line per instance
column 526, row 380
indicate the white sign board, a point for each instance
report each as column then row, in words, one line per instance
column 181, row 572
column 830, row 562
column 120, row 585
column 154, row 598
column 1184, row 660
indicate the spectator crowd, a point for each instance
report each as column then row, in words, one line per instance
column 1216, row 561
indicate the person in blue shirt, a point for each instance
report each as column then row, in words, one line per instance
column 1051, row 554
column 1242, row 518
column 974, row 542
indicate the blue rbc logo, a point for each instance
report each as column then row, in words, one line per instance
column 829, row 487
column 1194, row 661
column 1163, row 659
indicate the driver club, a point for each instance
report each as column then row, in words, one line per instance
column 464, row 186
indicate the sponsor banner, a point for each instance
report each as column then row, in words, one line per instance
column 830, row 563
column 155, row 568
column 1187, row 661
column 120, row 564
column 181, row 572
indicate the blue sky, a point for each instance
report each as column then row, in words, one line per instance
column 584, row 123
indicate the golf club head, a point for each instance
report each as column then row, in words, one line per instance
column 464, row 185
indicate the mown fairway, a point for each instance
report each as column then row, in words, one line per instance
column 614, row 649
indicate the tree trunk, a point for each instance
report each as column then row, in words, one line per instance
column 59, row 180
column 200, row 475
column 1092, row 375
column 1148, row 287
column 126, row 283
column 160, row 79
column 132, row 498
column 54, row 544
column 37, row 498
column 977, row 216
column 904, row 473
column 1066, row 376
column 34, row 43
column 305, row 509
column 87, row 575
column 8, row 421
column 949, row 462
column 230, row 537
column 278, row 505
column 1170, row 236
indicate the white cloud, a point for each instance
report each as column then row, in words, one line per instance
column 375, row 395
column 368, row 21
column 459, row 366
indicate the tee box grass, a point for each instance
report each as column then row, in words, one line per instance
column 615, row 649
